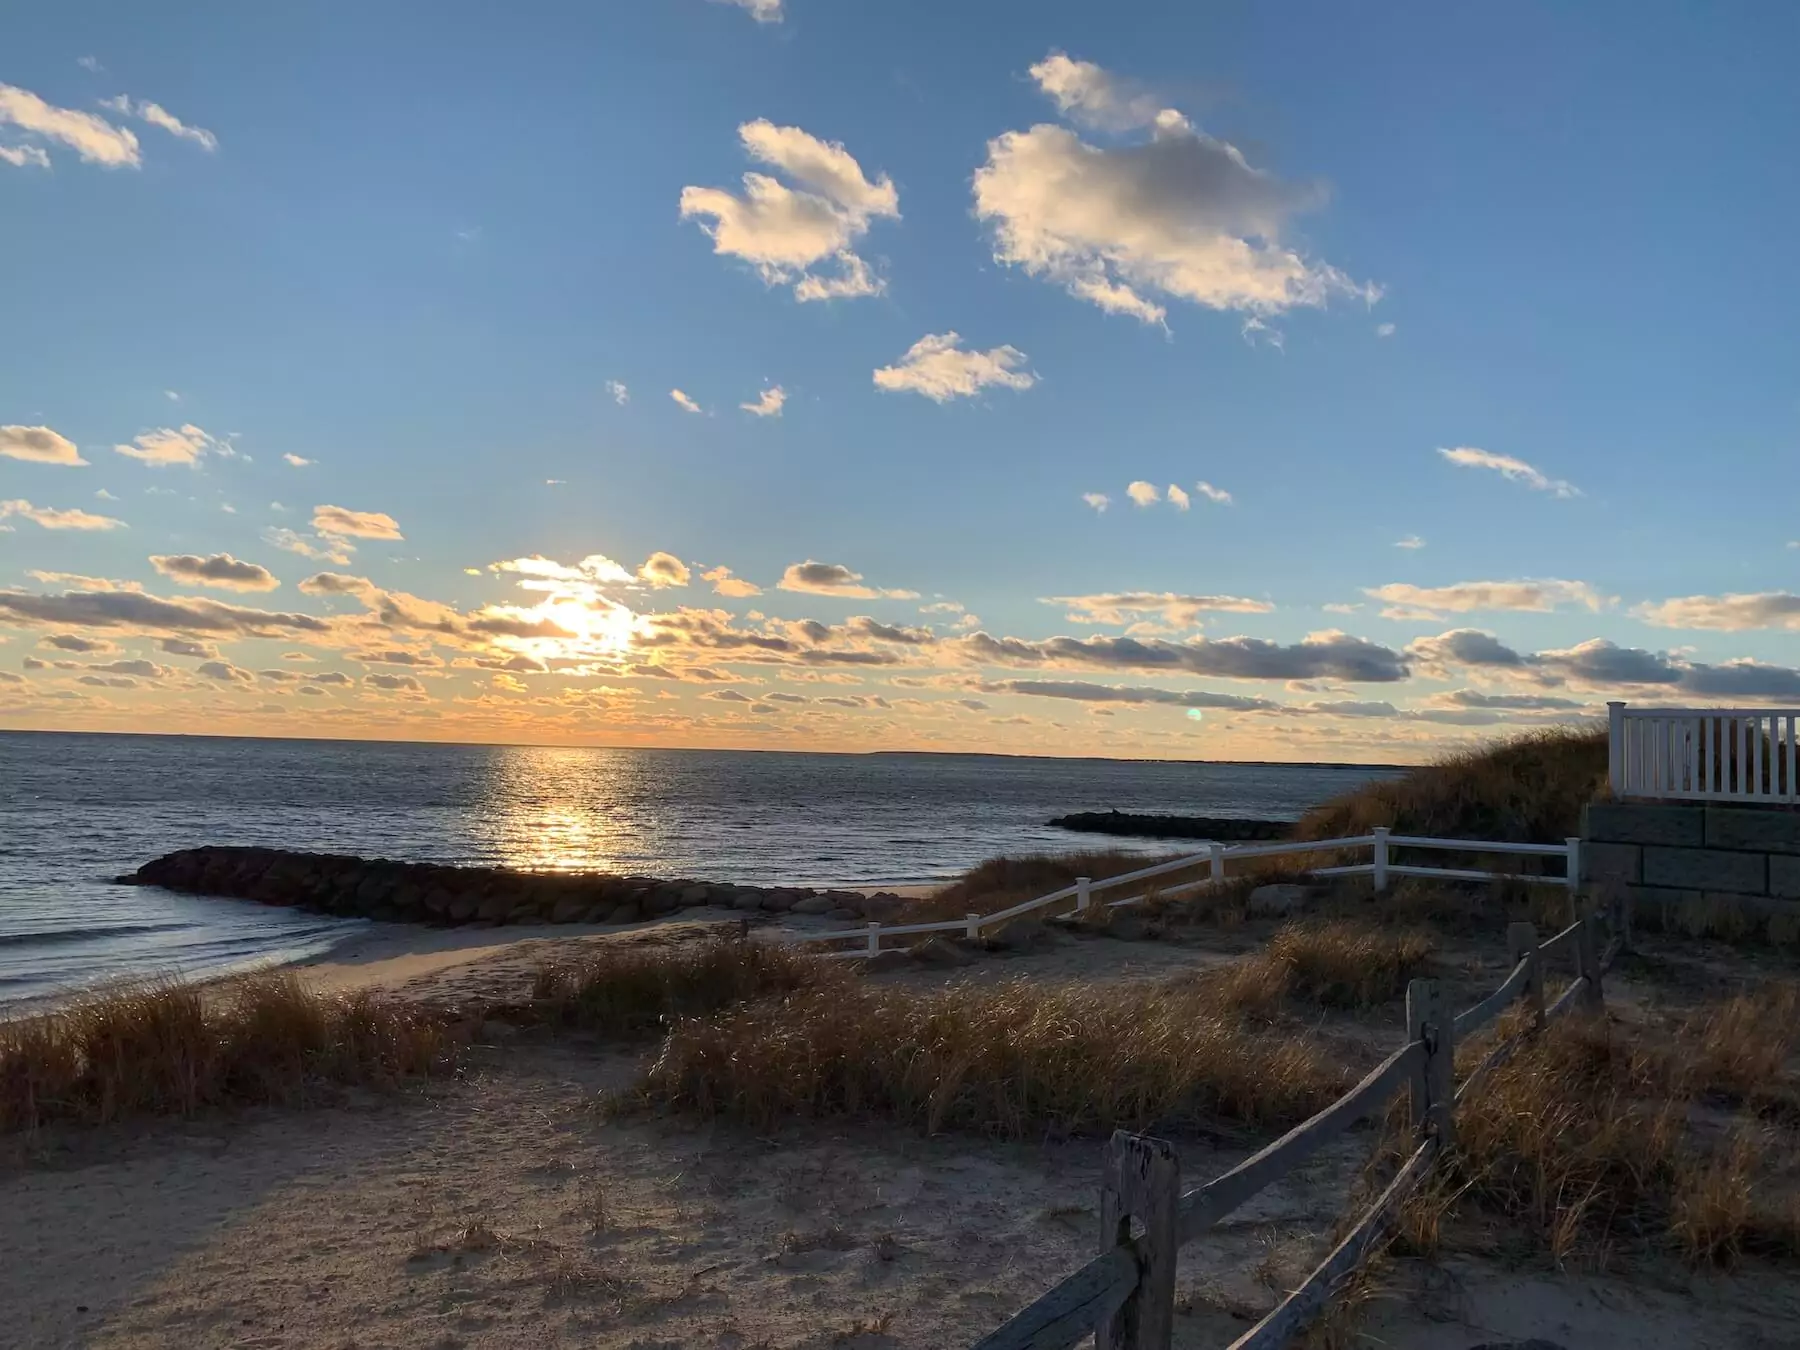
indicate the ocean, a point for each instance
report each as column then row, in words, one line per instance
column 78, row 810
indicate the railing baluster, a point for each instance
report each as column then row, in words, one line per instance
column 1793, row 760
column 1706, row 757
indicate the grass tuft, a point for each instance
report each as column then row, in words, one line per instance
column 175, row 1049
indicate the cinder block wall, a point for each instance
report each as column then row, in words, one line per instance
column 1675, row 857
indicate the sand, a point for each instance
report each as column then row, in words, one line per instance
column 503, row 1210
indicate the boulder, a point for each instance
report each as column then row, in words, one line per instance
column 748, row 898
column 1024, row 935
column 1279, row 900
column 462, row 908
column 894, row 958
column 569, row 909
column 842, row 915
column 882, row 906
column 941, row 951
column 661, row 900
column 625, row 913
column 778, row 902
column 697, row 894
column 813, row 904
column 496, row 908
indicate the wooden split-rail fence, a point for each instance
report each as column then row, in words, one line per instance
column 1125, row 1296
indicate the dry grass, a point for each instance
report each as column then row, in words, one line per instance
column 1014, row 1060
column 1336, row 964
column 1594, row 1141
column 1722, row 917
column 1527, row 790
column 174, row 1049
column 632, row 990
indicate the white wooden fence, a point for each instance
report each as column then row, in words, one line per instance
column 1085, row 892
column 1704, row 754
column 1125, row 1296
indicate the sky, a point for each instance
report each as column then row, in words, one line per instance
column 1317, row 382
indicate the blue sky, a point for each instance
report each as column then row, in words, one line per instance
column 1296, row 257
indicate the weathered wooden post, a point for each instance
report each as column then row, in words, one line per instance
column 1142, row 1182
column 1587, row 962
column 1428, row 1019
column 1522, row 945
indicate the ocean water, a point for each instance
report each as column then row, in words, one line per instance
column 78, row 810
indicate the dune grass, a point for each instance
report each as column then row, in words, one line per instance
column 176, row 1049
column 1014, row 1060
column 1600, row 1138
column 638, row 989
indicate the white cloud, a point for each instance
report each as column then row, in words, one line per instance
column 1123, row 607
column 1516, row 469
column 684, row 402
column 1384, row 330
column 158, row 116
column 817, row 578
column 167, row 446
column 38, row 445
column 341, row 522
column 664, row 569
column 1341, row 608
column 1725, row 613
column 1177, row 498
column 1412, row 541
column 53, row 519
column 1143, row 494
column 93, row 138
column 618, row 392
column 1213, row 494
column 220, row 570
column 937, row 367
column 91, row 64
column 769, row 405
column 22, row 156
column 320, row 550
column 105, row 496
column 1181, row 214
column 785, row 232
column 725, row 584
column 1532, row 597
column 763, row 11
column 299, row 461
column 1098, row 500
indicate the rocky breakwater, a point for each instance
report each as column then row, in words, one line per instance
column 429, row 893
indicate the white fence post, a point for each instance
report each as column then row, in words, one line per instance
column 1574, row 846
column 1615, row 747
column 1216, row 869
column 874, row 937
column 1381, row 857
column 973, row 932
column 1084, row 887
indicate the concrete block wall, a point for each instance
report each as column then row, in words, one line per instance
column 1676, row 858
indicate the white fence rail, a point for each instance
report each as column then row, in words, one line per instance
column 1704, row 754
column 1381, row 842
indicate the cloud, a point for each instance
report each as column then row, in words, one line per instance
column 1181, row 214
column 1411, row 542
column 333, row 677
column 145, row 670
column 786, row 232
column 169, row 446
column 726, row 696
column 224, row 672
column 158, row 116
column 319, row 550
column 1213, row 494
column 683, row 402
column 220, row 570
column 863, row 626
column 150, row 614
column 340, row 522
column 1328, row 655
column 1725, row 613
column 74, row 642
column 23, row 156
column 937, row 367
column 1098, row 500
column 763, row 11
column 1474, row 698
column 1143, row 494
column 381, row 680
column 94, row 139
column 188, row 647
column 396, row 656
column 1532, row 597
column 1517, row 470
column 769, row 405
column 52, row 518
column 1123, row 607
column 1108, row 693
column 664, row 569
column 817, row 578
column 725, row 584
column 1600, row 663
column 1384, row 330
column 1177, row 498
column 618, row 392
column 39, row 445
column 1464, row 647
column 299, row 461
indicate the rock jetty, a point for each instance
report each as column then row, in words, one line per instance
column 1222, row 828
column 429, row 893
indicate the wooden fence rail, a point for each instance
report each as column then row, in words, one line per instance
column 1124, row 1297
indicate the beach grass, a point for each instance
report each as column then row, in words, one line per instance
column 167, row 1048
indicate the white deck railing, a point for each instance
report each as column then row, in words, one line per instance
column 1380, row 867
column 1704, row 754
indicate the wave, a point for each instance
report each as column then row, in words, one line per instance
column 53, row 936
